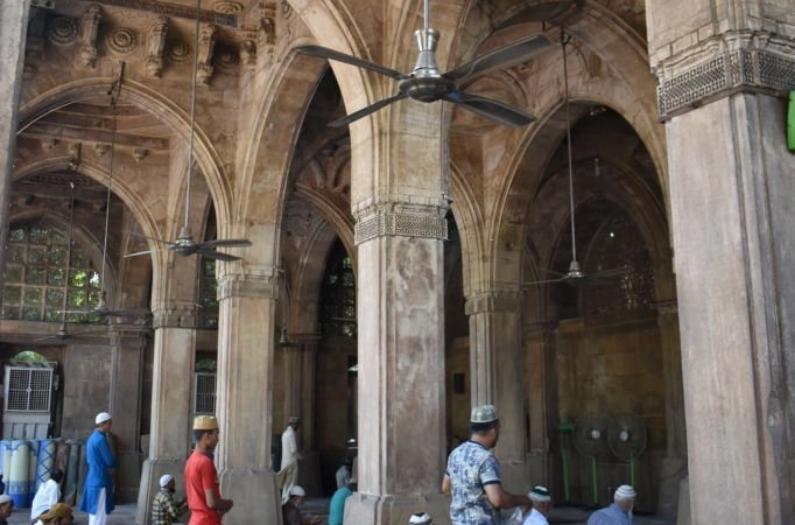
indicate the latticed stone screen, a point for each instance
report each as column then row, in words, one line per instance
column 338, row 314
column 35, row 277
column 208, row 295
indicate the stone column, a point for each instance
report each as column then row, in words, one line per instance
column 400, row 312
column 128, row 344
column 13, row 30
column 245, row 392
column 723, row 68
column 540, row 379
column 495, row 335
column 172, row 394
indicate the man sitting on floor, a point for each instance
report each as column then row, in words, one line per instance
column 59, row 514
column 6, row 506
column 336, row 509
column 620, row 512
column 291, row 513
column 49, row 494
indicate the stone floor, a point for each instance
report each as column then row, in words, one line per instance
column 125, row 515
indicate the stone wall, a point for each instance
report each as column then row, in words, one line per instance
column 86, row 389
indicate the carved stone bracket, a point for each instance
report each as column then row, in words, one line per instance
column 207, row 34
column 89, row 26
column 241, row 285
column 741, row 64
column 399, row 219
column 155, row 46
column 488, row 302
column 176, row 316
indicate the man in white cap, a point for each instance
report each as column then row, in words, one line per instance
column 288, row 473
column 201, row 479
column 291, row 511
column 420, row 518
column 619, row 512
column 97, row 499
column 542, row 504
column 6, row 506
column 473, row 474
column 165, row 510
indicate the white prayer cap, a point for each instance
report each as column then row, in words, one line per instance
column 539, row 494
column 5, row 498
column 483, row 414
column 102, row 417
column 625, row 492
column 165, row 479
column 420, row 518
column 297, row 490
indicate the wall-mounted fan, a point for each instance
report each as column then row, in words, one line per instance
column 575, row 273
column 590, row 440
column 426, row 83
column 626, row 437
column 184, row 244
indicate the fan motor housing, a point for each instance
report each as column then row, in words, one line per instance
column 424, row 88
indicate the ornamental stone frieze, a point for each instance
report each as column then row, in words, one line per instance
column 264, row 285
column 122, row 41
column 490, row 302
column 89, row 26
column 207, row 36
column 720, row 66
column 175, row 316
column 402, row 220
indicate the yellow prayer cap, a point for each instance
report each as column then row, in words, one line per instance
column 205, row 423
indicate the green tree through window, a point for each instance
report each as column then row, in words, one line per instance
column 36, row 280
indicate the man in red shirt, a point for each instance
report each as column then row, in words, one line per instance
column 201, row 479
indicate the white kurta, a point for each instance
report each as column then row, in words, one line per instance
column 48, row 495
column 288, row 474
column 535, row 518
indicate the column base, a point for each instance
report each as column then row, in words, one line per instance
column 515, row 476
column 255, row 495
column 153, row 469
column 672, row 471
column 363, row 509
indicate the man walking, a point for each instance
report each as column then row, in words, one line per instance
column 288, row 474
column 619, row 512
column 98, row 490
column 473, row 475
column 201, row 479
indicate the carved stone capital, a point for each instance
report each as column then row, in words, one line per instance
column 249, row 285
column 89, row 26
column 735, row 62
column 155, row 46
column 400, row 219
column 207, row 35
column 175, row 316
column 491, row 302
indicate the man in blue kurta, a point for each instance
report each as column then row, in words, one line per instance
column 98, row 489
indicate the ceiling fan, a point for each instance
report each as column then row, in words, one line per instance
column 426, row 83
column 184, row 244
column 575, row 272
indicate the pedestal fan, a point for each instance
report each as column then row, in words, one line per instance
column 590, row 440
column 626, row 437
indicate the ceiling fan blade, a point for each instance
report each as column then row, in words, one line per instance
column 490, row 109
column 141, row 236
column 545, row 281
column 512, row 54
column 324, row 52
column 137, row 254
column 218, row 256
column 372, row 108
column 231, row 243
column 613, row 272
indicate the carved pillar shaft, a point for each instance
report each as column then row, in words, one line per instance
column 245, row 391
column 495, row 354
column 13, row 28
column 722, row 77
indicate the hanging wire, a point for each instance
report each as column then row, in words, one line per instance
column 192, row 113
column 426, row 15
column 564, row 41
column 115, row 93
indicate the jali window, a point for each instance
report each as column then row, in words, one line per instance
column 339, row 295
column 208, row 295
column 36, row 280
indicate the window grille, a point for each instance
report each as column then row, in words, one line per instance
column 204, row 393
column 35, row 279
column 339, row 295
column 28, row 389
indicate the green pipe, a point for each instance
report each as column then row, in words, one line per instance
column 593, row 479
column 566, row 490
column 632, row 470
